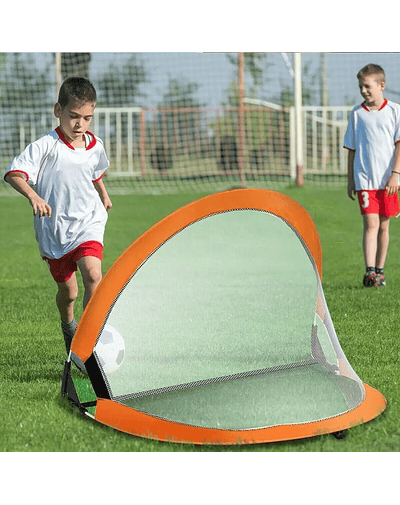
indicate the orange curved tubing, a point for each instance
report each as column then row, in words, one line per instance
column 137, row 423
column 125, row 266
column 129, row 420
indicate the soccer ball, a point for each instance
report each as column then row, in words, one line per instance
column 110, row 349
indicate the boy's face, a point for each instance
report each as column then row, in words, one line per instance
column 371, row 89
column 75, row 119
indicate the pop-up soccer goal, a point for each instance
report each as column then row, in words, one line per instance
column 227, row 335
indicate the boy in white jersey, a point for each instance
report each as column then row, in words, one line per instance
column 61, row 176
column 373, row 141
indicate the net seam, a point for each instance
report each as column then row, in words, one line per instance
column 214, row 380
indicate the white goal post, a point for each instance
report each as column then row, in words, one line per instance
column 115, row 126
column 292, row 128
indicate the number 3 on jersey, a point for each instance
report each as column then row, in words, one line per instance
column 365, row 198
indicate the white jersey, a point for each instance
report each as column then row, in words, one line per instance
column 372, row 134
column 63, row 177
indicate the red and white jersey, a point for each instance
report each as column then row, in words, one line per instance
column 63, row 176
column 372, row 134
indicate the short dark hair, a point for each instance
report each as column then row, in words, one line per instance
column 372, row 69
column 78, row 89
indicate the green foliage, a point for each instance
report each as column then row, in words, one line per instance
column 26, row 92
column 23, row 85
column 256, row 66
column 3, row 60
column 260, row 125
column 36, row 418
column 119, row 85
column 180, row 93
column 179, row 127
column 286, row 96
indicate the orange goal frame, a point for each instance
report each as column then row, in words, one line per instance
column 132, row 421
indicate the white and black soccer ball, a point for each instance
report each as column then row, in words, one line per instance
column 110, row 349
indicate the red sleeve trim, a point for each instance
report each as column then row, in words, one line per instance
column 17, row 171
column 101, row 176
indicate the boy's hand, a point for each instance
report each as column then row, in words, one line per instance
column 18, row 182
column 107, row 203
column 351, row 190
column 39, row 206
column 101, row 190
column 392, row 185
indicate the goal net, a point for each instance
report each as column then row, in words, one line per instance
column 177, row 122
column 227, row 335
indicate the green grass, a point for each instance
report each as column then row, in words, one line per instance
column 36, row 418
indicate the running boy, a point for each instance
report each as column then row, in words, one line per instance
column 372, row 138
column 61, row 176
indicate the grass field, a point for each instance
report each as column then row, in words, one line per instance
column 36, row 419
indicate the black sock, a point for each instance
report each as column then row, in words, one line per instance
column 379, row 270
column 68, row 330
column 69, row 327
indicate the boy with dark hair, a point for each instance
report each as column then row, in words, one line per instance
column 373, row 141
column 61, row 176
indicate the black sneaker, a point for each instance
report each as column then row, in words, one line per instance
column 370, row 278
column 381, row 279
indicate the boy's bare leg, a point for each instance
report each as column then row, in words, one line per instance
column 370, row 238
column 66, row 296
column 90, row 268
column 383, row 242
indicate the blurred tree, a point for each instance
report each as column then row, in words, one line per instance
column 75, row 65
column 257, row 122
column 309, row 91
column 3, row 60
column 256, row 64
column 23, row 85
column 180, row 128
column 119, row 84
column 26, row 96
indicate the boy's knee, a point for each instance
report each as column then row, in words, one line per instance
column 384, row 225
column 91, row 271
column 67, row 293
column 92, row 276
column 371, row 222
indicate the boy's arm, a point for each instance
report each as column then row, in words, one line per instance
column 101, row 189
column 18, row 182
column 392, row 185
column 351, row 187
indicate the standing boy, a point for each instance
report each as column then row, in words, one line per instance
column 372, row 138
column 61, row 176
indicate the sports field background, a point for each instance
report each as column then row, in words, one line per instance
column 36, row 419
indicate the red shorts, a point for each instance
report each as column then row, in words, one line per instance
column 63, row 268
column 376, row 201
